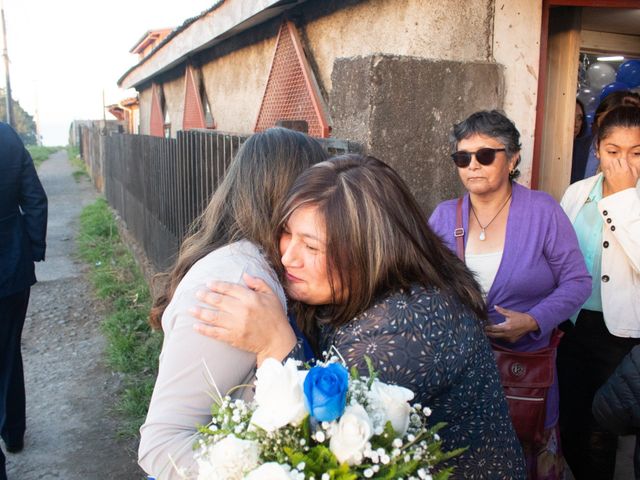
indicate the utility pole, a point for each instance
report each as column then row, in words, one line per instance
column 5, row 54
column 104, row 115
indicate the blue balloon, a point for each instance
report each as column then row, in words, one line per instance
column 612, row 87
column 629, row 73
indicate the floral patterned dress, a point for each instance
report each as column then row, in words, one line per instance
column 428, row 341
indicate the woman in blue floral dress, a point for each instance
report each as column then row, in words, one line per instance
column 368, row 278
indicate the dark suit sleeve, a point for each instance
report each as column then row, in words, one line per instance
column 33, row 203
column 616, row 405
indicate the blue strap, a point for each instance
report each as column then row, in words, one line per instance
column 308, row 351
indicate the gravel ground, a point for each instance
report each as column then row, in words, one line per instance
column 71, row 431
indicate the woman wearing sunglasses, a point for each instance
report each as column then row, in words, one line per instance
column 525, row 255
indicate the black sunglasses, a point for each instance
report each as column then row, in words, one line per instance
column 485, row 156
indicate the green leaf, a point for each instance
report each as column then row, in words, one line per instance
column 385, row 439
column 443, row 474
column 306, row 428
column 372, row 371
column 407, row 468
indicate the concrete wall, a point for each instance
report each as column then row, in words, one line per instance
column 173, row 91
column 235, row 84
column 376, row 100
column 516, row 45
column 501, row 31
column 174, row 101
column 145, row 110
column 443, row 30
column 235, row 79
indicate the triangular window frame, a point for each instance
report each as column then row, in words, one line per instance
column 321, row 126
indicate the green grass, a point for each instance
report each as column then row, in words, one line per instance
column 133, row 348
column 40, row 154
column 80, row 168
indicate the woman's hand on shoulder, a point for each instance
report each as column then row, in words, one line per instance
column 250, row 319
column 515, row 326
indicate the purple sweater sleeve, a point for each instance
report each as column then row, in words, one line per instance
column 573, row 282
column 442, row 222
column 542, row 272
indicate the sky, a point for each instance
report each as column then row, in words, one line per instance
column 64, row 53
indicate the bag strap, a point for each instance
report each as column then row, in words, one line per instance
column 459, row 231
column 555, row 338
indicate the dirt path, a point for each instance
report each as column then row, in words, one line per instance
column 71, row 434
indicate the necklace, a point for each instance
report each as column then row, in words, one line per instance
column 483, row 228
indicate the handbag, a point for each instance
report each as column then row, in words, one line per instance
column 525, row 376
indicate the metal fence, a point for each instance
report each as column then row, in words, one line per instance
column 88, row 136
column 159, row 186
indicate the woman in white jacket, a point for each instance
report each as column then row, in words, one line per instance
column 229, row 239
column 605, row 212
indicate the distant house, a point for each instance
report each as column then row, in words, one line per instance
column 393, row 75
column 149, row 41
column 128, row 112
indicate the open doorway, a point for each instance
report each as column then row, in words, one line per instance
column 586, row 52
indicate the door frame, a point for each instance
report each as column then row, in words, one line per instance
column 542, row 75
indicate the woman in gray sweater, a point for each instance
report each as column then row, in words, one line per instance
column 230, row 239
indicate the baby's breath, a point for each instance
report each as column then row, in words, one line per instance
column 305, row 450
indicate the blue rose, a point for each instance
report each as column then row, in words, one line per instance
column 325, row 391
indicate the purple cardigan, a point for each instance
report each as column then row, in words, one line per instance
column 542, row 271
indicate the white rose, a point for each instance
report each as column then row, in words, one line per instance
column 227, row 459
column 270, row 471
column 279, row 395
column 350, row 434
column 394, row 402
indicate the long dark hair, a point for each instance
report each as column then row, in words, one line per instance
column 620, row 117
column 377, row 236
column 243, row 206
column 621, row 98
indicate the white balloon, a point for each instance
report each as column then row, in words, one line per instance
column 600, row 74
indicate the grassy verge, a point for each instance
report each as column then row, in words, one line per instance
column 80, row 168
column 40, row 154
column 133, row 347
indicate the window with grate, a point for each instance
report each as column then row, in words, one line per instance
column 193, row 116
column 167, row 123
column 197, row 110
column 292, row 94
column 209, row 121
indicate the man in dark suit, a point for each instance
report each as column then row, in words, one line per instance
column 23, row 228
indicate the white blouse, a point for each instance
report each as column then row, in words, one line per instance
column 484, row 266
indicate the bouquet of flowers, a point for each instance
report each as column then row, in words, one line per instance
column 321, row 424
